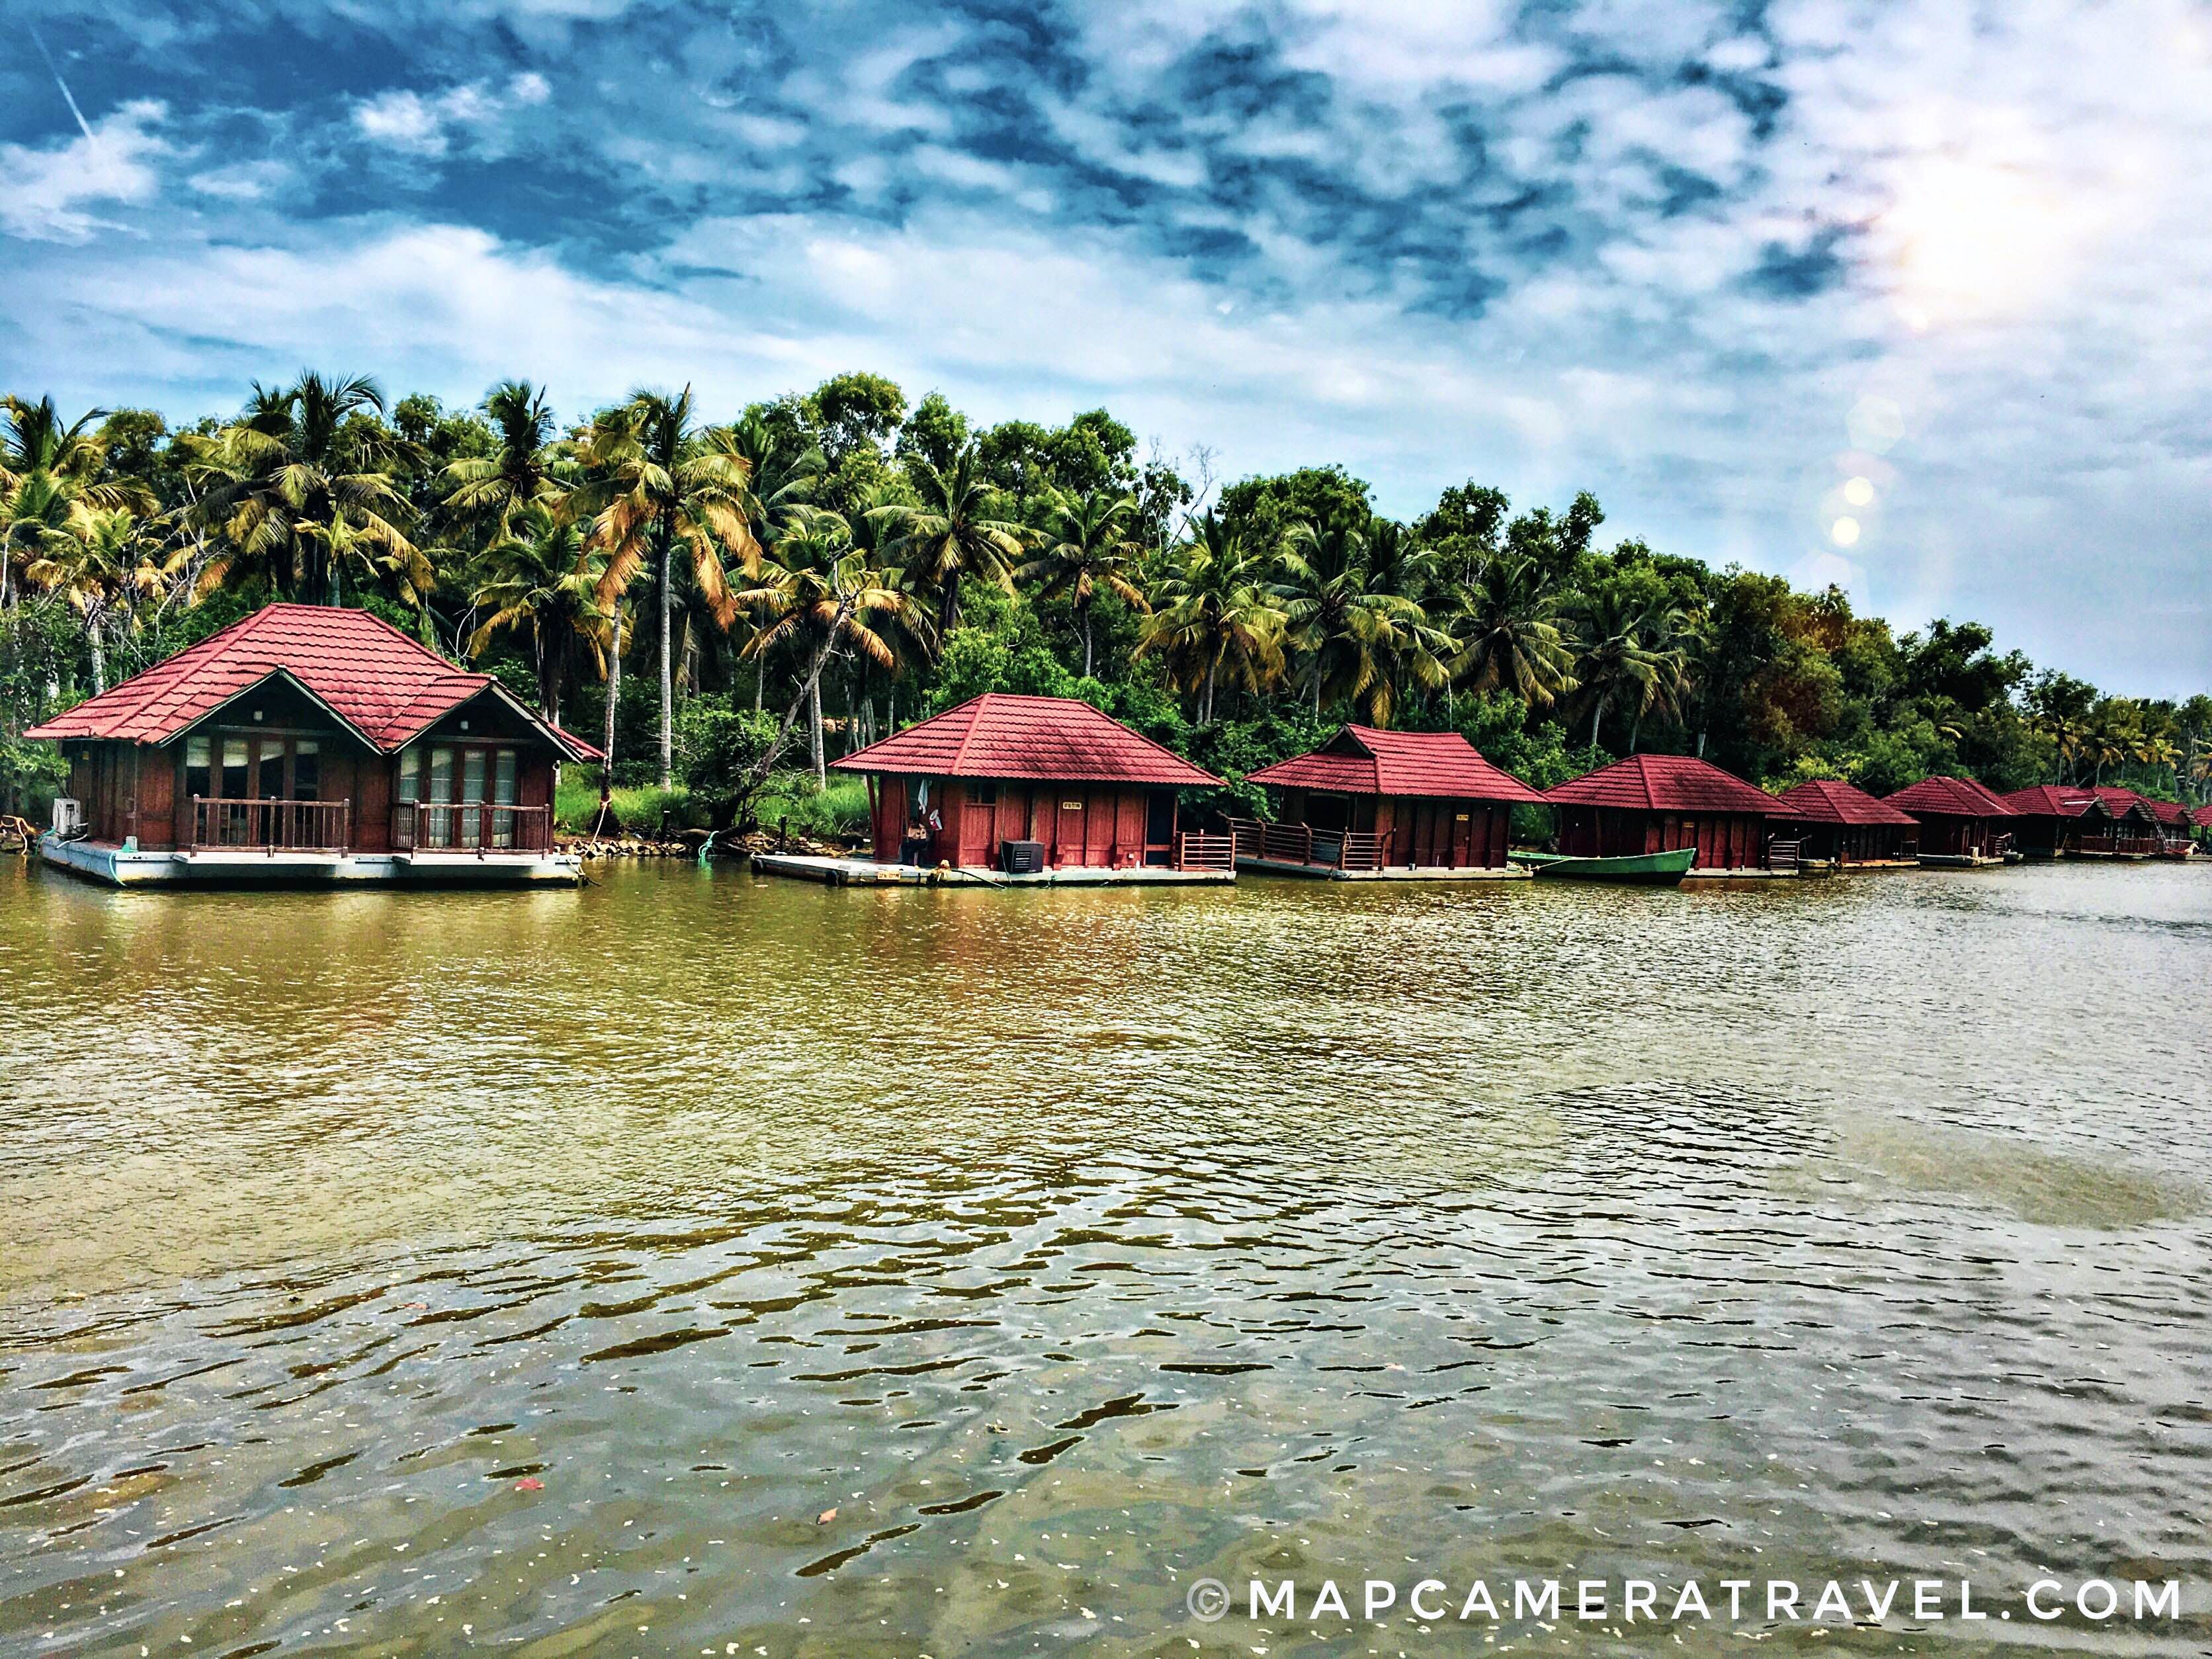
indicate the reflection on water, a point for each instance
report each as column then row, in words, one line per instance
column 388, row 1273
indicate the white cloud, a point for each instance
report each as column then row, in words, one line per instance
column 49, row 191
column 424, row 125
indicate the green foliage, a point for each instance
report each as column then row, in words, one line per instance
column 718, row 747
column 1012, row 557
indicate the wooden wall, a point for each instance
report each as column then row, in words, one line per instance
column 1724, row 841
column 1082, row 825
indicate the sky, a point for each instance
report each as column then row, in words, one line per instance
column 1913, row 297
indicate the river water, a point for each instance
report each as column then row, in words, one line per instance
column 402, row 1274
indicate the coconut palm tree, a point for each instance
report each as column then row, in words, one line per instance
column 1357, row 638
column 542, row 581
column 1617, row 663
column 954, row 530
column 817, row 589
column 493, row 490
column 1087, row 547
column 651, row 483
column 1509, row 635
column 49, row 468
column 299, row 489
column 1215, row 612
column 106, row 555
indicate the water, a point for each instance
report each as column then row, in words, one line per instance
column 1070, row 1246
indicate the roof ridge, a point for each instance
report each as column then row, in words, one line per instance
column 982, row 699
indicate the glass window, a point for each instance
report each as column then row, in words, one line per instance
column 235, row 768
column 502, row 777
column 410, row 775
column 306, row 769
column 473, row 788
column 199, row 763
column 269, row 780
column 441, row 774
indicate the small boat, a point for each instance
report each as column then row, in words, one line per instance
column 1641, row 869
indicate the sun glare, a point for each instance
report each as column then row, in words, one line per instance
column 1845, row 532
column 1970, row 240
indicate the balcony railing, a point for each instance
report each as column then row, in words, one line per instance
column 1195, row 850
column 271, row 826
column 470, row 826
column 1300, row 843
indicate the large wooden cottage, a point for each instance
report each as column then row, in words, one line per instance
column 2051, row 821
column 1381, row 802
column 1662, row 803
column 1027, row 786
column 308, row 744
column 1961, row 822
column 1845, row 826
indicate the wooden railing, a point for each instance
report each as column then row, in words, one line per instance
column 1196, row 850
column 2127, row 845
column 1783, row 855
column 470, row 826
column 271, row 826
column 1301, row 843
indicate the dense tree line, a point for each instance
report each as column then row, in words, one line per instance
column 669, row 583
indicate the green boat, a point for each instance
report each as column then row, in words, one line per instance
column 1641, row 869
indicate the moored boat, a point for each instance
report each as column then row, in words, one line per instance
column 1640, row 869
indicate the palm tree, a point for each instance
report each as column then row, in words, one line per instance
column 47, row 469
column 106, row 554
column 299, row 488
column 542, row 581
column 1356, row 638
column 493, row 490
column 1509, row 638
column 652, row 482
column 817, row 587
column 954, row 531
column 1619, row 664
column 1215, row 611
column 1088, row 546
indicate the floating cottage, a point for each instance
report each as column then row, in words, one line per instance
column 1377, row 804
column 2053, row 822
column 1661, row 803
column 1025, row 789
column 1849, row 829
column 1961, row 823
column 308, row 744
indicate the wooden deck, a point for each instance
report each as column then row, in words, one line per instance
column 870, row 873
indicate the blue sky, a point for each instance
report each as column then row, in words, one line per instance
column 1749, row 271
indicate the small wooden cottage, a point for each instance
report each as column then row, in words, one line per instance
column 1845, row 826
column 2136, row 832
column 1662, row 803
column 1961, row 822
column 1025, row 784
column 2052, row 821
column 308, row 743
column 1369, row 801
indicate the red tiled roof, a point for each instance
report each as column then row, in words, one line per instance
column 2203, row 816
column 2166, row 811
column 1956, row 798
column 1001, row 735
column 2050, row 800
column 369, row 675
column 1667, row 783
column 1360, row 760
column 1830, row 800
column 2120, row 802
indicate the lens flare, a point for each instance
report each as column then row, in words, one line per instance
column 1844, row 532
column 1859, row 491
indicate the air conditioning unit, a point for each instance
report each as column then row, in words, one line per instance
column 68, row 817
column 1021, row 857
